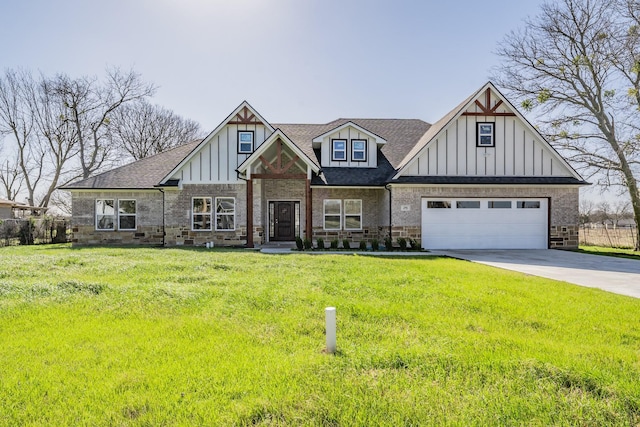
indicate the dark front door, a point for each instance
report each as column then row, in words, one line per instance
column 284, row 220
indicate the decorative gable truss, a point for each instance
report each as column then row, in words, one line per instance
column 217, row 157
column 485, row 136
column 278, row 157
column 349, row 145
column 488, row 109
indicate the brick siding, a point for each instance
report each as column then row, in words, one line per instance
column 406, row 212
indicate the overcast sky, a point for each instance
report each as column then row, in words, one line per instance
column 295, row 61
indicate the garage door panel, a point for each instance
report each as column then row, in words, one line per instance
column 484, row 228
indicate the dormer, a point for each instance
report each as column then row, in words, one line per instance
column 349, row 145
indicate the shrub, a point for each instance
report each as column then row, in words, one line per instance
column 321, row 243
column 375, row 245
column 307, row 244
column 61, row 233
column 8, row 231
column 345, row 244
column 363, row 245
column 388, row 243
column 334, row 244
column 402, row 242
column 414, row 244
column 299, row 244
column 26, row 232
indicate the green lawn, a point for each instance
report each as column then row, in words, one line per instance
column 153, row 337
column 615, row 252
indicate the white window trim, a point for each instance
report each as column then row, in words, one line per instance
column 193, row 214
column 240, row 143
column 333, row 150
column 324, row 214
column 115, row 215
column 363, row 151
column 492, row 134
column 134, row 215
column 216, row 214
column 352, row 215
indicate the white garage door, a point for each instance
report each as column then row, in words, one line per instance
column 484, row 223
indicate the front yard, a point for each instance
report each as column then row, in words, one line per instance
column 134, row 336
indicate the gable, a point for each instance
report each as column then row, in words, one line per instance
column 278, row 155
column 451, row 147
column 359, row 144
column 217, row 157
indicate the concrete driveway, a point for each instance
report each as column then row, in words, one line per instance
column 618, row 275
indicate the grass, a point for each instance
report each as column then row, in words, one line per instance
column 607, row 251
column 163, row 337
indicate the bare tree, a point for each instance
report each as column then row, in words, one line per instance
column 11, row 179
column 56, row 133
column 586, row 210
column 142, row 129
column 90, row 105
column 17, row 122
column 59, row 127
column 62, row 202
column 620, row 210
column 577, row 64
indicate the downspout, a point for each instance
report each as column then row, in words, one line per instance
column 164, row 233
column 388, row 188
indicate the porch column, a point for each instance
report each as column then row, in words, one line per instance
column 308, row 210
column 249, row 213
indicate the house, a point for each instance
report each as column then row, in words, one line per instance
column 6, row 209
column 480, row 177
column 10, row 209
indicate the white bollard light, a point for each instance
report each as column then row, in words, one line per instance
column 330, row 317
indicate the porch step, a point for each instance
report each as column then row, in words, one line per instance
column 277, row 247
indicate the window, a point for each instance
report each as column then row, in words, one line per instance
column 245, row 141
column 225, row 213
column 473, row 204
column 438, row 205
column 201, row 213
column 105, row 214
column 499, row 204
column 339, row 149
column 485, row 134
column 332, row 214
column 353, row 214
column 126, row 214
column 359, row 150
column 528, row 204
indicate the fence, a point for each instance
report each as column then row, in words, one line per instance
column 34, row 231
column 619, row 237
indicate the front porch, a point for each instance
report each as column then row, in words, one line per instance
column 279, row 202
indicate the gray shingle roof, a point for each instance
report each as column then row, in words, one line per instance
column 405, row 138
column 401, row 135
column 347, row 177
column 144, row 173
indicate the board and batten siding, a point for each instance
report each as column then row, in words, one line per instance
column 349, row 133
column 517, row 152
column 217, row 159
